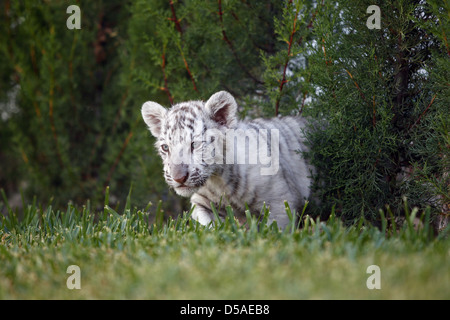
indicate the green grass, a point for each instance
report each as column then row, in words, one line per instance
column 124, row 256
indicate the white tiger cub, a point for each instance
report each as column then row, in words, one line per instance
column 211, row 156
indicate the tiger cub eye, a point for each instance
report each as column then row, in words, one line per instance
column 165, row 147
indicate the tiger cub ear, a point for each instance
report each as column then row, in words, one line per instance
column 153, row 114
column 222, row 108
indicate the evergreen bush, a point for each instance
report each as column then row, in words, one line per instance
column 69, row 125
column 382, row 101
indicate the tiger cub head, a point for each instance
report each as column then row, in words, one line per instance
column 188, row 138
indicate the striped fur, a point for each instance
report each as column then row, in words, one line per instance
column 188, row 132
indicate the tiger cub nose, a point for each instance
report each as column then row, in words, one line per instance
column 180, row 173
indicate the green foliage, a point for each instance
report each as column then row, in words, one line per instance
column 72, row 120
column 190, row 49
column 286, row 78
column 381, row 106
